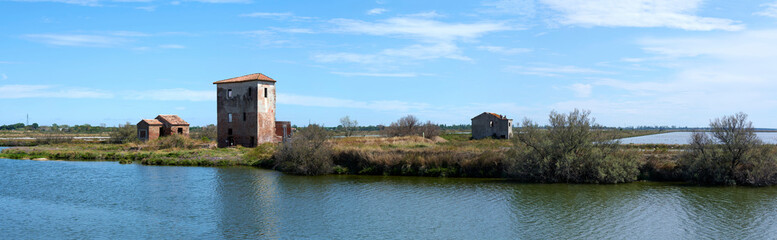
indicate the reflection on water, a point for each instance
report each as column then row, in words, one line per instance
column 685, row 137
column 55, row 199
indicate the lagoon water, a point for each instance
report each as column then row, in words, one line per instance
column 685, row 137
column 107, row 200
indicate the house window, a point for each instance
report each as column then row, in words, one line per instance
column 229, row 131
column 249, row 91
column 229, row 117
column 180, row 130
column 142, row 133
column 229, row 93
column 491, row 123
column 244, row 116
column 265, row 92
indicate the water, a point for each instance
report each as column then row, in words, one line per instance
column 685, row 137
column 106, row 200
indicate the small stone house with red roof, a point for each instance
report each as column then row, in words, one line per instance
column 491, row 125
column 245, row 108
column 162, row 125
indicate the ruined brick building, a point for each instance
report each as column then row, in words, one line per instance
column 246, row 112
column 491, row 125
column 162, row 125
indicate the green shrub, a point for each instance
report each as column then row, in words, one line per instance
column 124, row 134
column 730, row 154
column 307, row 152
column 261, row 156
column 175, row 141
column 572, row 149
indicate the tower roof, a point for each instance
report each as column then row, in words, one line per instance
column 247, row 78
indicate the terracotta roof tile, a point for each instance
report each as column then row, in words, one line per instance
column 151, row 121
column 246, row 78
column 172, row 119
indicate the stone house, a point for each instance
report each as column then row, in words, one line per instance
column 162, row 125
column 491, row 125
column 245, row 109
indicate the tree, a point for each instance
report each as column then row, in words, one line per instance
column 571, row 149
column 349, row 125
column 124, row 133
column 717, row 157
column 307, row 153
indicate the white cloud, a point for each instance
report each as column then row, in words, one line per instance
column 581, row 90
column 293, row 30
column 418, row 28
column 518, row 7
column 276, row 16
column 436, row 39
column 554, row 71
column 376, row 11
column 312, row 101
column 638, row 13
column 147, row 8
column 267, row 14
column 174, row 94
column 429, row 14
column 369, row 74
column 709, row 76
column 49, row 91
column 425, row 52
column 504, row 50
column 5, row 77
column 346, row 57
column 745, row 45
column 770, row 11
column 77, row 40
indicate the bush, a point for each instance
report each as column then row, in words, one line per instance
column 307, row 153
column 410, row 126
column 730, row 154
column 205, row 133
column 261, row 156
column 571, row 149
column 124, row 134
column 175, row 141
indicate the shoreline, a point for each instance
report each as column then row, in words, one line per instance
column 401, row 157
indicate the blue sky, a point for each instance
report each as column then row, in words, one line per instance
column 631, row 62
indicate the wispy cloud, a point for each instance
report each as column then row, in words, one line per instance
column 436, row 39
column 5, row 77
column 276, row 16
column 554, row 71
column 418, row 28
column 78, row 40
column 369, row 74
column 173, row 94
column 147, row 8
column 581, row 90
column 504, row 50
column 708, row 77
column 314, row 101
column 376, row 11
column 769, row 11
column 49, row 91
column 638, row 13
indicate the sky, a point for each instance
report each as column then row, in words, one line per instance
column 630, row 62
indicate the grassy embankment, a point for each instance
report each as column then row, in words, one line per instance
column 451, row 155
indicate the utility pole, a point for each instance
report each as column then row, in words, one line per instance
column 28, row 119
